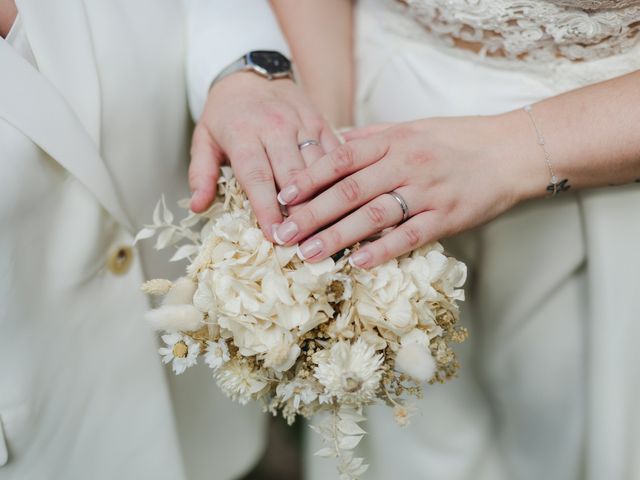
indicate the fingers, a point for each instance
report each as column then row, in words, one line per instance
column 310, row 152
column 204, row 169
column 284, row 155
column 328, row 139
column 419, row 230
column 380, row 213
column 343, row 197
column 252, row 169
column 364, row 132
column 344, row 160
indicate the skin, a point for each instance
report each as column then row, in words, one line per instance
column 8, row 13
column 256, row 124
column 457, row 173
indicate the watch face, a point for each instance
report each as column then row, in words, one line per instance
column 273, row 63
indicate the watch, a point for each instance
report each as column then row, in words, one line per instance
column 266, row 63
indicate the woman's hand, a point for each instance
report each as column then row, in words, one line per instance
column 257, row 125
column 453, row 173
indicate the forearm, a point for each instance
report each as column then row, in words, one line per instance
column 591, row 134
column 320, row 34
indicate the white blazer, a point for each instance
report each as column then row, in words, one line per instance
column 88, row 142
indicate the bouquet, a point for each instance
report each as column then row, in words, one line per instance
column 304, row 338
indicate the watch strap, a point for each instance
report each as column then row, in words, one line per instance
column 237, row 66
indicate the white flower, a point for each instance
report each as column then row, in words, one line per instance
column 175, row 317
column 350, row 372
column 414, row 356
column 403, row 414
column 181, row 292
column 299, row 390
column 217, row 354
column 239, row 381
column 181, row 350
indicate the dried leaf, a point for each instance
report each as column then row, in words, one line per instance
column 165, row 238
column 349, row 442
column 144, row 234
column 349, row 427
column 184, row 251
column 325, row 452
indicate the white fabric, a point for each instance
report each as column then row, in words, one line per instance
column 17, row 38
column 549, row 376
column 88, row 142
column 220, row 32
column 534, row 30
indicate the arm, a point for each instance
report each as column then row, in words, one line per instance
column 320, row 34
column 254, row 123
column 8, row 13
column 459, row 172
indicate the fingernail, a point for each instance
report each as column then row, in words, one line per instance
column 285, row 232
column 274, row 227
column 288, row 194
column 310, row 249
column 359, row 258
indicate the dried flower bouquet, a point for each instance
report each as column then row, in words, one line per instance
column 304, row 338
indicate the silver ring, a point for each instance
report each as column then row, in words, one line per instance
column 403, row 204
column 308, row 143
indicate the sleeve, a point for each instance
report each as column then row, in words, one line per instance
column 218, row 33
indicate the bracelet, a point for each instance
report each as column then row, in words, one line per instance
column 555, row 186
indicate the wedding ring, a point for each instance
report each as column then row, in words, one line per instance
column 403, row 205
column 308, row 143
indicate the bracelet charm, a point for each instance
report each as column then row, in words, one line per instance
column 555, row 186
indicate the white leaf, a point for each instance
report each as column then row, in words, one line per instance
column 156, row 214
column 144, row 233
column 360, row 470
column 183, row 252
column 184, row 203
column 349, row 427
column 325, row 452
column 189, row 221
column 350, row 442
column 166, row 213
column 164, row 239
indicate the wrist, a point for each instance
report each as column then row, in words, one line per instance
column 521, row 159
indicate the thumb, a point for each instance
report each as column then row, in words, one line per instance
column 204, row 170
column 363, row 132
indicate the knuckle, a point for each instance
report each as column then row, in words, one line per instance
column 412, row 236
column 343, row 159
column 376, row 214
column 383, row 253
column 349, row 189
column 257, row 175
column 307, row 217
column 334, row 237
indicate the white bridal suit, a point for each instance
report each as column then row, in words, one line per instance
column 94, row 126
column 550, row 378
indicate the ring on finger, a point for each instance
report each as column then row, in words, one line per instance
column 308, row 143
column 403, row 204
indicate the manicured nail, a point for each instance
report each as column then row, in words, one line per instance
column 274, row 227
column 288, row 194
column 310, row 249
column 285, row 232
column 359, row 258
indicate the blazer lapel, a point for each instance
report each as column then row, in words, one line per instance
column 58, row 107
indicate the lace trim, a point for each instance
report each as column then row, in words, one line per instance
column 533, row 30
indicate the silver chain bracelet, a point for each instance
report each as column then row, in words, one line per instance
column 555, row 186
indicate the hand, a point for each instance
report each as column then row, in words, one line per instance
column 257, row 124
column 454, row 174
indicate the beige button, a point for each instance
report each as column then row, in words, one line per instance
column 120, row 260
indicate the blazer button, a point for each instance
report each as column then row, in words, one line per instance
column 120, row 261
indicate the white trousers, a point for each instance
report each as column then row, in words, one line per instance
column 548, row 378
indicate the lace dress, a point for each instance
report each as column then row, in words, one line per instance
column 533, row 30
